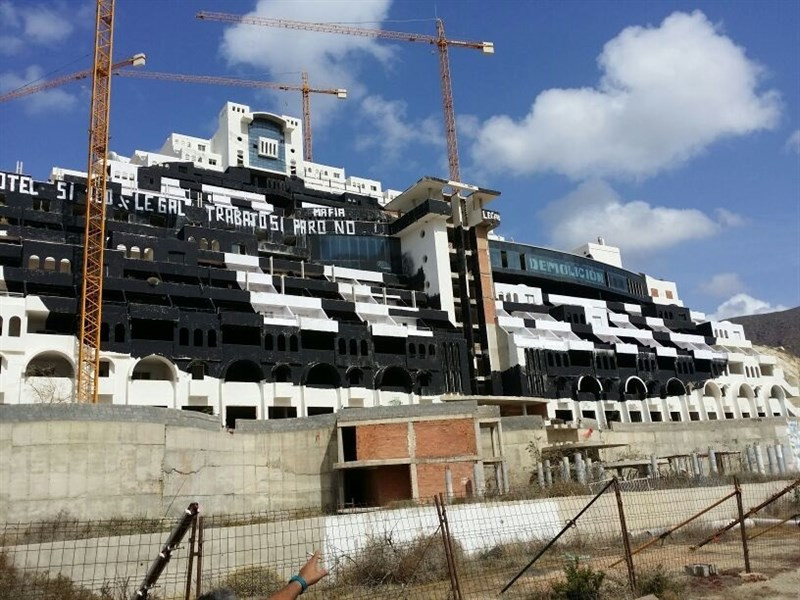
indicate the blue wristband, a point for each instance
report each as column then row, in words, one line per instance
column 301, row 581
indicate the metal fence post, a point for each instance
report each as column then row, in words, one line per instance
column 626, row 542
column 745, row 550
column 192, row 550
column 199, row 578
column 444, row 526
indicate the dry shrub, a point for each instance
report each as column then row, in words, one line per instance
column 660, row 583
column 385, row 562
column 26, row 585
column 253, row 581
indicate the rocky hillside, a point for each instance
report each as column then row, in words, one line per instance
column 778, row 329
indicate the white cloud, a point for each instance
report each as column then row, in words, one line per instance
column 45, row 26
column 55, row 99
column 723, row 284
column 391, row 132
column 744, row 304
column 35, row 24
column 332, row 60
column 666, row 93
column 793, row 143
column 728, row 218
column 594, row 209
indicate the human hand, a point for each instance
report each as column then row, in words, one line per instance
column 311, row 571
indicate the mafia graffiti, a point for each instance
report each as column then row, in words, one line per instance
column 319, row 221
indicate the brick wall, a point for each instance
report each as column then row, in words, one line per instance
column 389, row 483
column 449, row 437
column 431, row 478
column 378, row 442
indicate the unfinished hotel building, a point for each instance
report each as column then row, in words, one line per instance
column 245, row 282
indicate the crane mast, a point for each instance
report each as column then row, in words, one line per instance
column 96, row 179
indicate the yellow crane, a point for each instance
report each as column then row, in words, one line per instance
column 139, row 60
column 136, row 60
column 439, row 40
column 304, row 88
column 95, row 230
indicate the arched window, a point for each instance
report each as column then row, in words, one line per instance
column 675, row 387
column 293, row 343
column 203, row 244
column 244, row 370
column 65, row 266
column 355, row 377
column 135, row 252
column 198, row 337
column 119, row 333
column 183, row 336
column 550, row 361
column 212, row 338
column 190, row 239
column 14, row 326
column 342, row 346
column 148, row 254
column 364, row 348
column 104, row 332
column 353, row 347
column 395, row 379
column 431, row 350
column 281, row 343
column 412, row 350
column 322, row 375
column 123, row 248
column 422, row 350
column 215, row 245
column 268, row 341
column 33, row 262
column 282, row 373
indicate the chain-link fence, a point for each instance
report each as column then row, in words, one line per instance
column 645, row 538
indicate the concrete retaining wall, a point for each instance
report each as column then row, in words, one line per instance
column 97, row 462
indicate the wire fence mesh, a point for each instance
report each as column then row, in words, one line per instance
column 402, row 551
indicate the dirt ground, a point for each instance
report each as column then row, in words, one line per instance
column 784, row 586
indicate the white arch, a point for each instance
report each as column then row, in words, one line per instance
column 54, row 353
column 748, row 392
column 165, row 361
column 712, row 389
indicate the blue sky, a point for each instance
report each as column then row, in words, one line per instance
column 670, row 128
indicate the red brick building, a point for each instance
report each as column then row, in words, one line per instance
column 414, row 452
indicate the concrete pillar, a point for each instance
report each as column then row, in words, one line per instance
column 759, row 459
column 781, row 459
column 654, row 465
column 589, row 470
column 696, row 471
column 540, row 473
column 712, row 461
column 751, row 459
column 772, row 460
column 565, row 469
column 599, row 471
column 448, row 483
column 477, row 476
column 548, row 473
column 580, row 472
column 506, row 482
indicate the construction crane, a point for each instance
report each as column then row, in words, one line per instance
column 136, row 60
column 305, row 88
column 439, row 40
column 95, row 231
